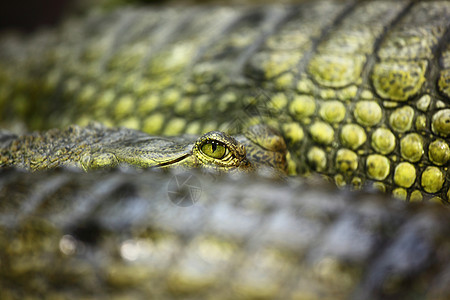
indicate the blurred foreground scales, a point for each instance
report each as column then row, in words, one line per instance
column 66, row 235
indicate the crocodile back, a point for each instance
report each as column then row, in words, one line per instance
column 70, row 235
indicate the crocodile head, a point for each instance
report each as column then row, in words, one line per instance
column 259, row 148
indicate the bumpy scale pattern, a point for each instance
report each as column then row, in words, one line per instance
column 69, row 235
column 359, row 90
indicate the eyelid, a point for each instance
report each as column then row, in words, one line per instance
column 229, row 152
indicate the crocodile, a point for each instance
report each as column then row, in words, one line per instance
column 93, row 147
column 358, row 90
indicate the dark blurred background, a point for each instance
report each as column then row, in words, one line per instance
column 28, row 15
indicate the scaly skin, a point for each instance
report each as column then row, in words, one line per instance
column 96, row 147
column 66, row 235
column 359, row 91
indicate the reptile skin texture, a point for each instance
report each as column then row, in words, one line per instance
column 357, row 92
column 71, row 235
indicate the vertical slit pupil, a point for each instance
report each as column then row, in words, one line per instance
column 213, row 146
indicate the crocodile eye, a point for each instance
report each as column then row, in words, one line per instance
column 214, row 149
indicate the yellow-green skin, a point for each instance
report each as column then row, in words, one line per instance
column 359, row 91
column 98, row 147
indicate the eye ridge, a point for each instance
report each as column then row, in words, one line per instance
column 219, row 149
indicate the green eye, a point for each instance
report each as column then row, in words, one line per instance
column 214, row 149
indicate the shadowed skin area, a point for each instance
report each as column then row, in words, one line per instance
column 97, row 147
